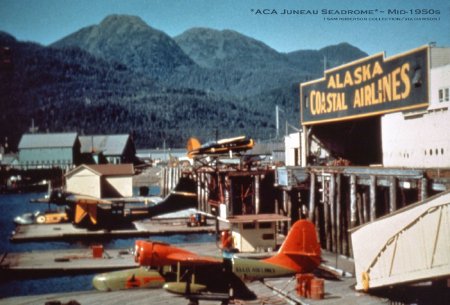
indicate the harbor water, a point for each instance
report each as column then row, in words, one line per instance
column 12, row 205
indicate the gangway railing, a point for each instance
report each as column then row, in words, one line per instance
column 409, row 246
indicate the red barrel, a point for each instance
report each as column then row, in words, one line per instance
column 304, row 284
column 317, row 289
column 97, row 251
column 226, row 240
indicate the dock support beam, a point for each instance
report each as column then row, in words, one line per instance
column 373, row 196
column 312, row 196
column 423, row 188
column 332, row 201
column 392, row 194
column 353, row 215
column 257, row 200
column 338, row 215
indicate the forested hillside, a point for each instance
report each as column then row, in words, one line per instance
column 122, row 76
column 71, row 90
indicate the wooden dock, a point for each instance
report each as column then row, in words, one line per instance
column 34, row 264
column 66, row 231
column 272, row 291
column 335, row 294
column 63, row 262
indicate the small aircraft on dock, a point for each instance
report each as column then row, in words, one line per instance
column 199, row 277
column 219, row 147
column 95, row 213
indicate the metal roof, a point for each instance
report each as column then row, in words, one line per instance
column 107, row 144
column 46, row 140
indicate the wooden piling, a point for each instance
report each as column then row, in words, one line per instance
column 332, row 205
column 423, row 188
column 366, row 207
column 339, row 224
column 257, row 199
column 312, row 196
column 373, row 197
column 227, row 190
column 169, row 179
column 360, row 208
column 392, row 194
column 326, row 212
column 353, row 213
column 286, row 203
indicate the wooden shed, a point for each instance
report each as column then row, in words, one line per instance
column 101, row 180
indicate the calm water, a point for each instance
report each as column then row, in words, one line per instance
column 12, row 205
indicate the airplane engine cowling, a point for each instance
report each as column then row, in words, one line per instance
column 153, row 254
column 143, row 253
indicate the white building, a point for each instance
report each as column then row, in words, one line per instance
column 422, row 138
column 101, row 181
column 292, row 149
column 414, row 138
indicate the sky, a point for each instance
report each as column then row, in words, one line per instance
column 391, row 26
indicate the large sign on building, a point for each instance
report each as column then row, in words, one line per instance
column 370, row 86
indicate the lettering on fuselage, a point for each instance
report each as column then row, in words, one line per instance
column 254, row 270
column 366, row 87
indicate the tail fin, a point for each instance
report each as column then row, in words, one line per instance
column 183, row 196
column 301, row 250
column 193, row 144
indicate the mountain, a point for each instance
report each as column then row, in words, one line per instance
column 129, row 40
column 215, row 49
column 222, row 62
column 314, row 61
column 69, row 89
column 123, row 76
column 233, row 64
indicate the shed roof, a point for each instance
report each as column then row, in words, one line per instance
column 8, row 159
column 106, row 169
column 107, row 144
column 47, row 140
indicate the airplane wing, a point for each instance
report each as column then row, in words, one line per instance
column 231, row 140
column 223, row 146
column 85, row 199
column 193, row 259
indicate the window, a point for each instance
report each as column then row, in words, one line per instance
column 268, row 236
column 444, row 95
column 250, row 225
column 265, row 225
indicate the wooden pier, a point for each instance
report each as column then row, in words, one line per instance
column 336, row 293
column 63, row 262
column 145, row 228
column 271, row 291
column 338, row 199
column 40, row 263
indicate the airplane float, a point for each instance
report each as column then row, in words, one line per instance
column 218, row 278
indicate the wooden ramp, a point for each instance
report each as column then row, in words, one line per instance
column 411, row 245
